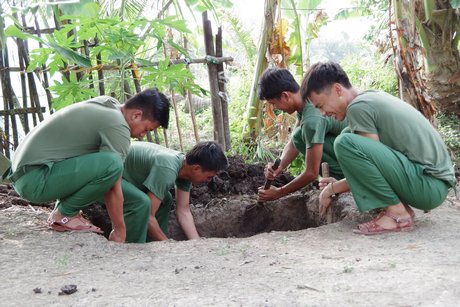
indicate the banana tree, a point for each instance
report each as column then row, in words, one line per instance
column 296, row 19
column 426, row 41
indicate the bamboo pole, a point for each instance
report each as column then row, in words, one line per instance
column 165, row 135
column 191, row 107
column 100, row 73
column 86, row 51
column 57, row 25
column 45, row 82
column 7, row 98
column 24, row 118
column 222, row 91
column 6, row 86
column 100, row 66
column 176, row 113
column 33, row 93
column 213, row 83
column 137, row 85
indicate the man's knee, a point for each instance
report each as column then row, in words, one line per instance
column 144, row 206
column 343, row 141
column 114, row 163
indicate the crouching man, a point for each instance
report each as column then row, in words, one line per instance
column 152, row 170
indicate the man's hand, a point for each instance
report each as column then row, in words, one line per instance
column 325, row 200
column 118, row 235
column 271, row 193
column 114, row 204
column 271, row 174
column 325, row 181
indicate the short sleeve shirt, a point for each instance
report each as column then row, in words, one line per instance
column 154, row 168
column 90, row 126
column 401, row 127
column 314, row 127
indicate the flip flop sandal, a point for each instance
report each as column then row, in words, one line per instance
column 63, row 225
column 371, row 227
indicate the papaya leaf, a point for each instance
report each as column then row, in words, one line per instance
column 13, row 31
column 87, row 8
column 179, row 48
column 70, row 55
column 178, row 24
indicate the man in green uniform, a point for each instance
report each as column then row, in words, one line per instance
column 152, row 170
column 314, row 136
column 76, row 155
column 392, row 159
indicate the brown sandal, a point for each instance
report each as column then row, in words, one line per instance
column 371, row 227
column 64, row 224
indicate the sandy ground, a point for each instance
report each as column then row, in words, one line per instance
column 324, row 266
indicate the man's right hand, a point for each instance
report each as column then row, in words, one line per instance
column 325, row 181
column 117, row 235
column 271, row 174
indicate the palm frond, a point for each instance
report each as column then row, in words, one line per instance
column 244, row 36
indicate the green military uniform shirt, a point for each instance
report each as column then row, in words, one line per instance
column 90, row 126
column 154, row 168
column 314, row 127
column 402, row 128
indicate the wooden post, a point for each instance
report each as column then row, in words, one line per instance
column 7, row 98
column 45, row 82
column 21, row 58
column 222, row 91
column 179, row 133
column 213, row 83
column 100, row 72
column 190, row 104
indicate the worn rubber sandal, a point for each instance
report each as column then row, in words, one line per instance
column 372, row 228
column 84, row 226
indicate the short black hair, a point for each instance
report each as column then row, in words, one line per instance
column 153, row 104
column 321, row 76
column 208, row 155
column 274, row 81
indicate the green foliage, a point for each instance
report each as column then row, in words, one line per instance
column 449, row 128
column 166, row 77
column 297, row 166
column 243, row 37
column 71, row 91
column 262, row 152
column 369, row 73
column 305, row 26
column 118, row 42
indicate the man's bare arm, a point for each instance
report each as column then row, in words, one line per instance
column 184, row 215
column 154, row 229
column 114, row 202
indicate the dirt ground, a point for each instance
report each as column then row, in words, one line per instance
column 321, row 266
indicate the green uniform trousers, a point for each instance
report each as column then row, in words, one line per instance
column 328, row 152
column 379, row 176
column 329, row 156
column 75, row 182
column 136, row 212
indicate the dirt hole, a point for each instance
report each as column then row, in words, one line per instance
column 225, row 207
column 239, row 216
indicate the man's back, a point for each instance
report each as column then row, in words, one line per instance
column 85, row 127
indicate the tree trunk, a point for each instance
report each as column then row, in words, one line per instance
column 426, row 54
column 254, row 108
